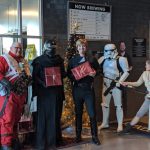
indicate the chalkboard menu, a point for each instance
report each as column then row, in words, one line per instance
column 139, row 47
column 94, row 21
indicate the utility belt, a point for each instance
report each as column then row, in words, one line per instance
column 84, row 85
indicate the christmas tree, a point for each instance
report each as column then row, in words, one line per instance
column 68, row 116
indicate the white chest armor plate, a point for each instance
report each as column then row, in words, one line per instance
column 110, row 68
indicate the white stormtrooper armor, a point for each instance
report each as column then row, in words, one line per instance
column 111, row 72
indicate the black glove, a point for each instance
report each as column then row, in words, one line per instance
column 6, row 84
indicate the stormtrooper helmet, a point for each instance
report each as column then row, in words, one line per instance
column 110, row 51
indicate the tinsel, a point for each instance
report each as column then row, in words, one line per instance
column 21, row 84
column 23, row 80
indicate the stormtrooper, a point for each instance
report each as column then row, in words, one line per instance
column 114, row 67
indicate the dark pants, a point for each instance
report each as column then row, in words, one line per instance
column 81, row 95
column 49, row 109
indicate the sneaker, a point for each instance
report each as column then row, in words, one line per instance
column 126, row 130
column 120, row 128
column 96, row 140
column 103, row 126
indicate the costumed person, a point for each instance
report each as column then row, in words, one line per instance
column 114, row 67
column 83, row 90
column 123, row 53
column 14, row 81
column 48, row 74
column 144, row 78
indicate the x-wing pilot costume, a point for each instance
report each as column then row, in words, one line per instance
column 11, row 100
column 110, row 69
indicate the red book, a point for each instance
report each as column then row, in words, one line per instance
column 53, row 76
column 82, row 70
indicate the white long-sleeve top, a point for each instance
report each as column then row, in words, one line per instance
column 144, row 78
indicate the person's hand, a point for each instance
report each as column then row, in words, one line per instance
column 92, row 74
column 148, row 95
column 124, row 83
column 130, row 68
column 118, row 84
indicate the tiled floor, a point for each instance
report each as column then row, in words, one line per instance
column 110, row 141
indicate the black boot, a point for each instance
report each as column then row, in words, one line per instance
column 59, row 138
column 127, row 129
column 16, row 144
column 78, row 128
column 59, row 141
column 78, row 138
column 95, row 138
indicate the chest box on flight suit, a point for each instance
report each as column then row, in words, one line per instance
column 82, row 70
column 53, row 76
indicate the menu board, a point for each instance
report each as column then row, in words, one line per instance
column 94, row 21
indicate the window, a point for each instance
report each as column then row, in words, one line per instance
column 25, row 27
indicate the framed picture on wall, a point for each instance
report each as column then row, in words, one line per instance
column 138, row 47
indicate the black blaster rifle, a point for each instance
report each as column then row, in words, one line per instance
column 112, row 85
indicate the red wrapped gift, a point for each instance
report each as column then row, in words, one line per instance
column 53, row 76
column 82, row 70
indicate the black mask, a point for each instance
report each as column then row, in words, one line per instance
column 50, row 48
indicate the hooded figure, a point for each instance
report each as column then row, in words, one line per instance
column 48, row 74
column 50, row 48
